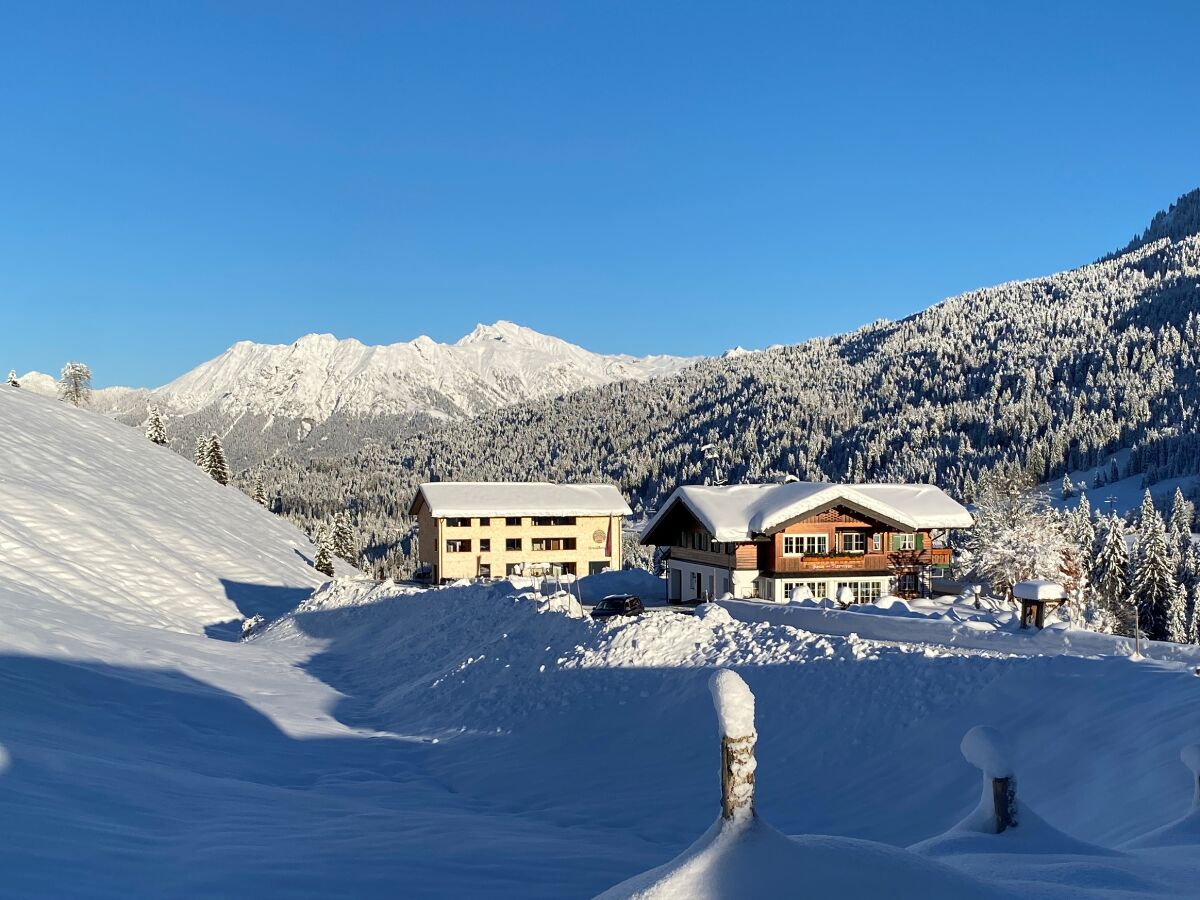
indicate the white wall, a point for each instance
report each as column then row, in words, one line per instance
column 712, row 579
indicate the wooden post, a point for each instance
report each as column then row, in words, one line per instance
column 737, row 775
column 1004, row 800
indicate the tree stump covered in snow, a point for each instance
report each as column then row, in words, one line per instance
column 735, row 716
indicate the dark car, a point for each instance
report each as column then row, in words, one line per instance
column 618, row 605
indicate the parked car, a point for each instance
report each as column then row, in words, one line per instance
column 618, row 605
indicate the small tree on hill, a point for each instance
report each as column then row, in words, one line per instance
column 1068, row 489
column 260, row 490
column 200, row 455
column 156, row 430
column 217, row 467
column 1182, row 514
column 12, row 379
column 342, row 541
column 1177, row 616
column 323, row 558
column 75, row 384
column 1110, row 569
column 1153, row 577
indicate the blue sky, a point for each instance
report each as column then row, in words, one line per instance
column 653, row 177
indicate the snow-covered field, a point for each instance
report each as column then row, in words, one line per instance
column 472, row 741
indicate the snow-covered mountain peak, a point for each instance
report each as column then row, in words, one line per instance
column 319, row 376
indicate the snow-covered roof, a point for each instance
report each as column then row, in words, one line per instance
column 520, row 498
column 1039, row 590
column 738, row 512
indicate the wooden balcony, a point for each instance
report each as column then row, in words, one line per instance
column 860, row 562
column 704, row 557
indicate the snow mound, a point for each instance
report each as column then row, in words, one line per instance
column 734, row 703
column 988, row 750
column 711, row 614
column 753, row 860
column 95, row 517
column 1186, row 829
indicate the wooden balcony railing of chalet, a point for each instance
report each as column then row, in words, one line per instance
column 813, row 562
column 707, row 557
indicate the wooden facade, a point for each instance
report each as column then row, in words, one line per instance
column 833, row 544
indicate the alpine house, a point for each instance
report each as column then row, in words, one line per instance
column 765, row 541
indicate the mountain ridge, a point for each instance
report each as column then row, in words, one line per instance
column 320, row 375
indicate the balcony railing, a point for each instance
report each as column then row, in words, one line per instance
column 858, row 562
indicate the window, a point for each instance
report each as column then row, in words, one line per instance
column 801, row 544
column 906, row 542
column 877, row 542
column 565, row 568
column 511, row 544
column 458, row 546
column 685, row 538
column 854, row 542
column 512, row 569
column 512, row 521
column 485, row 521
column 485, row 571
column 816, row 588
column 544, row 521
column 458, row 523
column 540, row 543
column 864, row 591
column 485, row 545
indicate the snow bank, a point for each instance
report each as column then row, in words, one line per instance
column 96, row 518
column 734, row 703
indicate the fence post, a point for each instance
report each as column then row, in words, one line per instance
column 735, row 715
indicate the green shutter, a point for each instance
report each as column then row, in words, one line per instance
column 920, row 541
column 895, row 542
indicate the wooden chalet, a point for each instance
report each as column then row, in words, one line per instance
column 765, row 541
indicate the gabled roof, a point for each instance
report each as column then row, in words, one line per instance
column 739, row 512
column 456, row 499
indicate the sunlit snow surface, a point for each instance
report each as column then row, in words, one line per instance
column 470, row 741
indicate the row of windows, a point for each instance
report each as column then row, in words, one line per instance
column 864, row 591
column 540, row 544
column 850, row 542
column 702, row 540
column 512, row 521
column 562, row 568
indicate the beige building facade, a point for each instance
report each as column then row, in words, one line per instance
column 496, row 529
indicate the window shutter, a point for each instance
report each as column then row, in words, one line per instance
column 895, row 542
column 920, row 541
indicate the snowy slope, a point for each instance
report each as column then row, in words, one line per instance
column 319, row 376
column 94, row 517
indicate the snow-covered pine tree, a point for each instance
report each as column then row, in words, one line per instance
column 1016, row 534
column 1147, row 512
column 156, row 430
column 1068, row 489
column 12, row 379
column 343, row 537
column 75, row 384
column 1110, row 568
column 1177, row 616
column 200, row 456
column 1153, row 576
column 1183, row 512
column 1194, row 616
column 323, row 557
column 217, row 467
column 260, row 490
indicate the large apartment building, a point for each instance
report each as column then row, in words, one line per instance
column 497, row 528
column 766, row 540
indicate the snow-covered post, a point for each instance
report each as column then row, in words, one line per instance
column 1191, row 758
column 735, row 717
column 987, row 750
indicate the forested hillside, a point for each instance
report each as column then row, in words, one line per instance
column 1053, row 373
